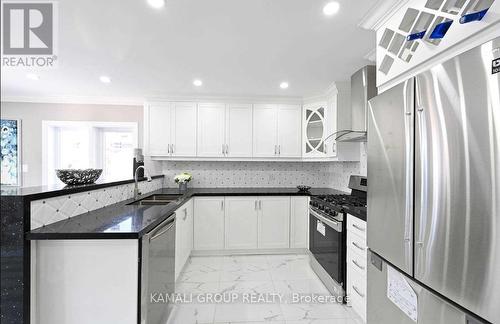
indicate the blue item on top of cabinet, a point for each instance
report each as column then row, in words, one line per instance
column 414, row 36
column 474, row 16
column 440, row 30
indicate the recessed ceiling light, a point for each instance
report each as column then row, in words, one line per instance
column 105, row 79
column 197, row 82
column 331, row 8
column 157, row 4
column 284, row 85
column 32, row 76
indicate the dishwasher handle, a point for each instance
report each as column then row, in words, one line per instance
column 162, row 228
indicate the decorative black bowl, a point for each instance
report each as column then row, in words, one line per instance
column 78, row 176
column 303, row 188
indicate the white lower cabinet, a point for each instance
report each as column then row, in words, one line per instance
column 208, row 227
column 241, row 222
column 299, row 222
column 356, row 264
column 250, row 222
column 274, row 222
column 183, row 236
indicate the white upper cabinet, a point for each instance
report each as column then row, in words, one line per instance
column 211, row 130
column 239, row 130
column 183, row 129
column 170, row 129
column 289, row 130
column 265, row 130
column 216, row 131
column 277, row 131
column 158, row 119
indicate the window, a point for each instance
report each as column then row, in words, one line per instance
column 80, row 145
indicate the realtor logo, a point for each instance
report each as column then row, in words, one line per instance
column 28, row 34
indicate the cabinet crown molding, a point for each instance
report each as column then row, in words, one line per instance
column 380, row 13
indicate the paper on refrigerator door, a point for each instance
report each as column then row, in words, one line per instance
column 401, row 293
column 320, row 227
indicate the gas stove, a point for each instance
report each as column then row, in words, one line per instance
column 334, row 206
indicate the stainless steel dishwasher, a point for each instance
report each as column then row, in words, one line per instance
column 158, row 272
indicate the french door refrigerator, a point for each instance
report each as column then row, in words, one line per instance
column 434, row 194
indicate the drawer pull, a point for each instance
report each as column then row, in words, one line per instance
column 357, row 292
column 362, row 229
column 357, row 246
column 357, row 265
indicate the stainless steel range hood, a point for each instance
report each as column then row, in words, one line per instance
column 363, row 88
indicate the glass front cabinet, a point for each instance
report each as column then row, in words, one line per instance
column 316, row 130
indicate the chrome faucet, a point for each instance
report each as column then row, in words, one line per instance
column 137, row 193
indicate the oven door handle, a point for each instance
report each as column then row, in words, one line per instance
column 337, row 226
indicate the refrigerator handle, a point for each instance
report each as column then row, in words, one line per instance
column 421, row 199
column 409, row 150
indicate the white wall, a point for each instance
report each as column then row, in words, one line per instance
column 32, row 114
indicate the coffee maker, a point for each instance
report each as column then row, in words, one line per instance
column 137, row 162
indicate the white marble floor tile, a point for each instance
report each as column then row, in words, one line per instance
column 325, row 321
column 248, row 312
column 313, row 311
column 200, row 273
column 245, row 261
column 248, row 274
column 256, row 274
column 247, row 287
column 197, row 288
column 192, row 314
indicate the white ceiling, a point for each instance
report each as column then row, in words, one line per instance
column 237, row 47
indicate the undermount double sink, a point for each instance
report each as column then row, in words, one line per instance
column 158, row 199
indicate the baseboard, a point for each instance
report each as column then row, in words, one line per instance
column 248, row 252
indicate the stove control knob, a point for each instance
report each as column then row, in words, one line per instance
column 328, row 210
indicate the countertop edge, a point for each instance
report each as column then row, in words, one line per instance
column 72, row 190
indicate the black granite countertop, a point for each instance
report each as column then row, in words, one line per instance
column 124, row 221
column 41, row 192
column 359, row 212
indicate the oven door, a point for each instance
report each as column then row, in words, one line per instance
column 326, row 244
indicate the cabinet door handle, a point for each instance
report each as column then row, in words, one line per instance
column 357, row 265
column 275, row 150
column 357, row 246
column 222, row 204
column 173, row 148
column 357, row 291
column 260, row 204
column 185, row 214
column 222, row 149
column 168, row 148
column 256, row 205
column 227, row 149
column 279, row 149
column 362, row 229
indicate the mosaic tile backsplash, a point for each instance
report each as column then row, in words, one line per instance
column 263, row 174
column 51, row 210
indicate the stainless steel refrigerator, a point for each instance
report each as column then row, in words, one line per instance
column 434, row 194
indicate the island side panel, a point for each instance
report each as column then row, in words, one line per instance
column 14, row 302
column 86, row 281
